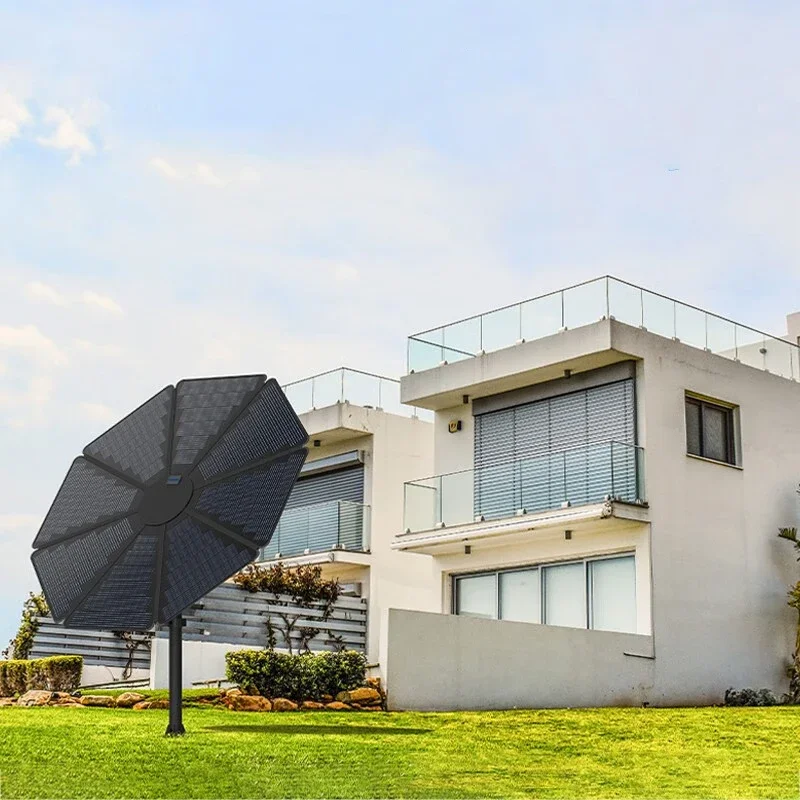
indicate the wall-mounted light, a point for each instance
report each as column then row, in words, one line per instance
column 454, row 425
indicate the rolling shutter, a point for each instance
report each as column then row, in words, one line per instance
column 539, row 454
column 342, row 484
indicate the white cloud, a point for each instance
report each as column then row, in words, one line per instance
column 37, row 290
column 67, row 135
column 98, row 412
column 166, row 169
column 29, row 341
column 97, row 349
column 345, row 273
column 204, row 174
column 101, row 301
column 42, row 291
column 13, row 115
column 28, row 407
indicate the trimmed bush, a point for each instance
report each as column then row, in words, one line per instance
column 304, row 676
column 55, row 674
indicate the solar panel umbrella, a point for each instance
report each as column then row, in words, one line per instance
column 167, row 504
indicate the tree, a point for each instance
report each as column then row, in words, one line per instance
column 790, row 534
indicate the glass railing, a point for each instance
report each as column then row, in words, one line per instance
column 576, row 476
column 317, row 528
column 594, row 300
column 345, row 385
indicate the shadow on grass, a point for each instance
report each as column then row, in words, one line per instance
column 320, row 730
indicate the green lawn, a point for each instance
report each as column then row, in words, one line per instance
column 723, row 752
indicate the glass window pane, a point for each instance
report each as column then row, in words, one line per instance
column 693, row 428
column 519, row 596
column 476, row 596
column 613, row 586
column 565, row 595
column 715, row 433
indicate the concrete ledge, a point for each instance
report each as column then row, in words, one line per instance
column 442, row 662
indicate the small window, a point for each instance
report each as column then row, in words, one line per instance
column 709, row 430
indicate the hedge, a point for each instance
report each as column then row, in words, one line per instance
column 303, row 676
column 55, row 674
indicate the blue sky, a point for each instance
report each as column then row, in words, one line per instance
column 192, row 188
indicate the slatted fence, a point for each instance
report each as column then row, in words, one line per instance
column 230, row 615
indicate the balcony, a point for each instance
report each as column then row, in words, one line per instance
column 602, row 298
column 352, row 386
column 593, row 474
column 336, row 525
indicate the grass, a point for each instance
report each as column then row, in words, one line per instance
column 714, row 752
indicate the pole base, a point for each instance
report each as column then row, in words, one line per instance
column 175, row 730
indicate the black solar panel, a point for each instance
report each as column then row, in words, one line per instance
column 69, row 568
column 138, row 446
column 169, row 503
column 89, row 497
column 251, row 503
column 197, row 557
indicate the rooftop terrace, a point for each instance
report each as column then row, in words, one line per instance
column 344, row 385
column 588, row 302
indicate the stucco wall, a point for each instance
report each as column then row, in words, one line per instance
column 439, row 662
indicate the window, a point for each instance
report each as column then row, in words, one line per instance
column 709, row 430
column 598, row 593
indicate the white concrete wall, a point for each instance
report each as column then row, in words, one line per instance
column 445, row 662
column 202, row 661
column 95, row 674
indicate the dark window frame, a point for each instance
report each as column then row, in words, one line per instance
column 730, row 438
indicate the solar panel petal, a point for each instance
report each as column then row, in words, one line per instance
column 88, row 498
column 138, row 445
column 268, row 426
column 251, row 503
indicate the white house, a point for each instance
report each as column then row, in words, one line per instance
column 612, row 466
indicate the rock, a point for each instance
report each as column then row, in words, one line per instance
column 7, row 701
column 143, row 705
column 69, row 702
column 35, row 697
column 328, row 698
column 232, row 692
column 337, row 706
column 311, row 705
column 248, row 702
column 282, row 704
column 162, row 703
column 129, row 699
column 97, row 701
column 370, row 708
column 374, row 683
column 363, row 696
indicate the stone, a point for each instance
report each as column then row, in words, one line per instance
column 328, row 698
column 143, row 705
column 161, row 703
column 282, row 704
column 248, row 702
column 129, row 699
column 35, row 697
column 232, row 692
column 97, row 701
column 363, row 696
column 311, row 705
column 337, row 706
column 374, row 683
column 371, row 708
column 69, row 702
column 7, row 701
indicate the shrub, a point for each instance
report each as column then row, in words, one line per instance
column 33, row 608
column 302, row 676
column 55, row 674
column 750, row 697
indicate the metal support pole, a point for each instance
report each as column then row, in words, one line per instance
column 175, row 727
